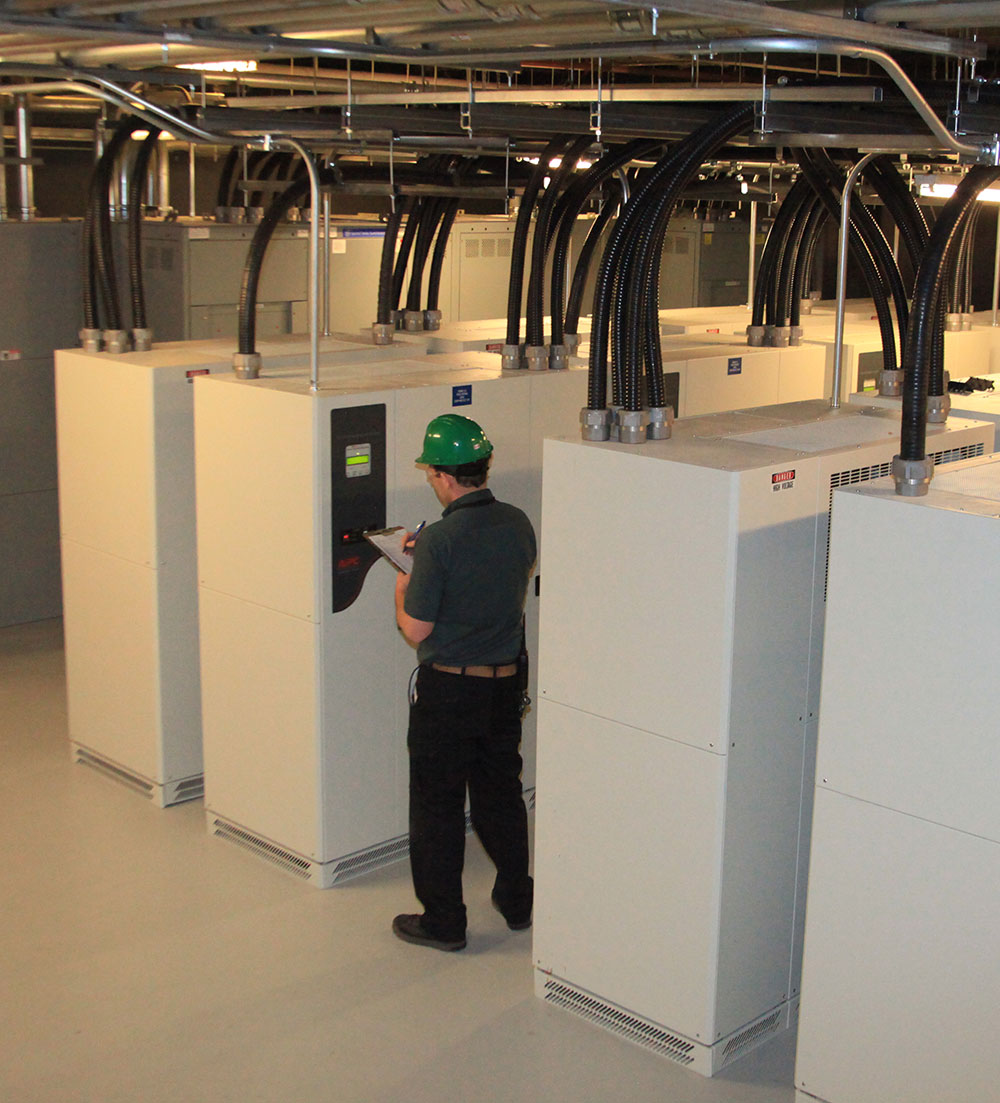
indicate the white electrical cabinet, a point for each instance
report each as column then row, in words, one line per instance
column 304, row 674
column 127, row 536
column 680, row 644
column 902, row 960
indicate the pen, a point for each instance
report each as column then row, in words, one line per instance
column 410, row 544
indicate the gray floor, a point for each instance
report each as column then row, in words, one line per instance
column 142, row 960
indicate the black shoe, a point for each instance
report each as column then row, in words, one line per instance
column 513, row 924
column 410, row 928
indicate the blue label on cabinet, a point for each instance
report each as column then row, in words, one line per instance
column 461, row 395
column 735, row 365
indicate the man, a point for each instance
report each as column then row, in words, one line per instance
column 461, row 607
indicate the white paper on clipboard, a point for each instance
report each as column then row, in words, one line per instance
column 390, row 543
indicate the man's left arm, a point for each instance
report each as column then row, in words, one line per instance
column 414, row 631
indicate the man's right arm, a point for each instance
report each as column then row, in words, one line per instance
column 414, row 631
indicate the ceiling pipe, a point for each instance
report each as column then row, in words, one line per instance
column 984, row 153
column 934, row 13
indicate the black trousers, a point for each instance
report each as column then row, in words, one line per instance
column 464, row 733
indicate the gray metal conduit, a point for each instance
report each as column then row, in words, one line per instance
column 845, row 233
column 987, row 153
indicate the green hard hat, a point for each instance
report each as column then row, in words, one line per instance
column 451, row 440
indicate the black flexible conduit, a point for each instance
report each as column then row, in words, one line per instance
column 255, row 257
column 873, row 238
column 658, row 191
column 785, row 281
column 962, row 278
column 573, row 201
column 518, row 249
column 535, row 323
column 100, row 230
column 883, row 176
column 789, row 287
column 583, row 261
column 804, row 261
column 137, row 183
column 383, row 314
column 226, row 177
column 917, row 348
column 437, row 257
column 643, row 341
column 772, row 259
column 433, row 209
column 413, row 209
column 861, row 254
column 89, row 272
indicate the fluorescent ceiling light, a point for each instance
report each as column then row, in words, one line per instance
column 943, row 187
column 222, row 66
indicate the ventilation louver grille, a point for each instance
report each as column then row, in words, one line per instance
column 376, row 856
column 286, row 859
column 620, row 1022
column 855, row 475
column 115, row 772
column 748, row 1038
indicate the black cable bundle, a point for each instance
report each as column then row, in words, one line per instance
column 520, row 243
column 137, row 183
column 626, row 296
column 573, row 201
column 258, row 248
column 925, row 317
column 545, row 225
column 862, row 242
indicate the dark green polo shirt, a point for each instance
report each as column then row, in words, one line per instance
column 470, row 575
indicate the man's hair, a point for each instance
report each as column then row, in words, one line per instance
column 467, row 474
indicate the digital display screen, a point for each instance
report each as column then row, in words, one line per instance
column 358, row 460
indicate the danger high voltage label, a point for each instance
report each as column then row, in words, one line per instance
column 782, row 480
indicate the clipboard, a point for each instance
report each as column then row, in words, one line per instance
column 389, row 542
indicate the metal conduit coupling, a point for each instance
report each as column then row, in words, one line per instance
column 631, row 426
column 247, row 365
column 511, row 358
column 938, row 408
column 890, row 383
column 397, row 318
column 142, row 339
column 413, row 321
column 595, row 424
column 115, row 340
column 769, row 336
column 536, row 357
column 795, row 335
column 966, row 321
column 953, row 322
column 571, row 341
column 780, row 336
column 912, row 477
column 661, row 423
column 90, row 340
column 755, row 336
column 383, row 333
column 558, row 357
column 432, row 319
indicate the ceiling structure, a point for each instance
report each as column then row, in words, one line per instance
column 913, row 76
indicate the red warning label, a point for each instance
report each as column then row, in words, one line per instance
column 782, row 480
